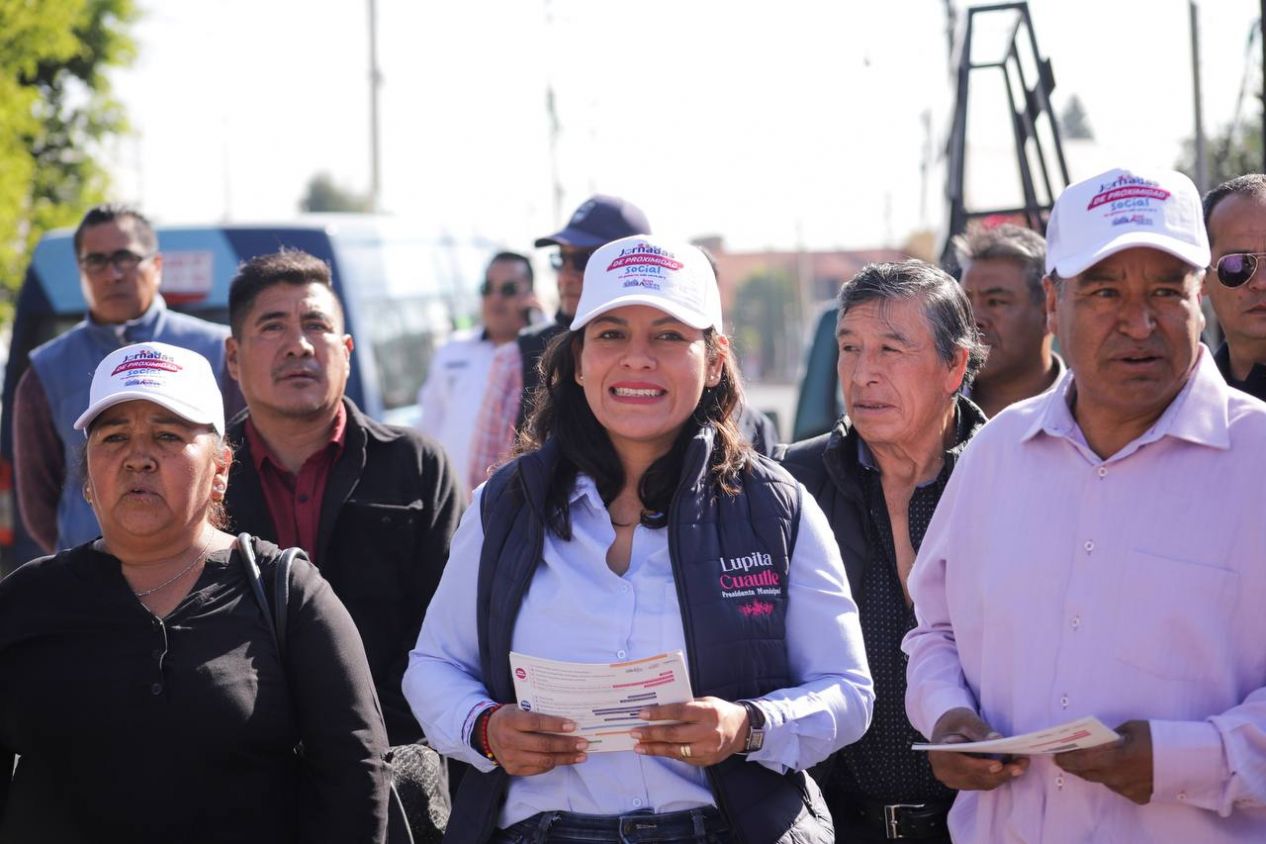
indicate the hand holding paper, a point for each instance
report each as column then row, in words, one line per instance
column 603, row 700
column 1075, row 735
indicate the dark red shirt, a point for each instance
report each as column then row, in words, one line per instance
column 294, row 501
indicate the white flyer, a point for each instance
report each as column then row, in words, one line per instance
column 602, row 698
column 1075, row 735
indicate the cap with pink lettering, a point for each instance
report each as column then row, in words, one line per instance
column 674, row 277
column 1121, row 209
column 173, row 377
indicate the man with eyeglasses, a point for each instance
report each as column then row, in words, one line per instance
column 513, row 376
column 120, row 270
column 449, row 400
column 1235, row 217
column 1098, row 552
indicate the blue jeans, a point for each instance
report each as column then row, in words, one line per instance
column 694, row 826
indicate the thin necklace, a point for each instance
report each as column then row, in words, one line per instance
column 196, row 559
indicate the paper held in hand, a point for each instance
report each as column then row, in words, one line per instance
column 603, row 698
column 1075, row 735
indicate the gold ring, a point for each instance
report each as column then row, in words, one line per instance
column 684, row 750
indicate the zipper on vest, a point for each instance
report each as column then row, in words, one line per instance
column 687, row 623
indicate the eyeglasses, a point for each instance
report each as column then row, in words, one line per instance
column 578, row 260
column 124, row 260
column 1235, row 269
column 507, row 289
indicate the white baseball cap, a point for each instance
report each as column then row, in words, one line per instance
column 178, row 379
column 1121, row 209
column 676, row 278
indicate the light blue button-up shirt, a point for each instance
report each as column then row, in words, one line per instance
column 577, row 609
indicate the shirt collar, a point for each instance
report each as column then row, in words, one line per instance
column 138, row 330
column 1197, row 414
column 585, row 488
column 261, row 453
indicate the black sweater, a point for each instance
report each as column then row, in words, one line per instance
column 134, row 729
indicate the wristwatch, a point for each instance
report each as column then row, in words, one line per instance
column 756, row 727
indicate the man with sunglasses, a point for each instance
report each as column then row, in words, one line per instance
column 1098, row 552
column 449, row 400
column 1235, row 217
column 120, row 270
column 513, row 376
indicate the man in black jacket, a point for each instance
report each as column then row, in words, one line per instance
column 373, row 505
column 908, row 346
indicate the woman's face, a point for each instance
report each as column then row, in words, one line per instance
column 643, row 372
column 151, row 473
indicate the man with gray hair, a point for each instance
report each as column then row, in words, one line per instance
column 1002, row 276
column 907, row 348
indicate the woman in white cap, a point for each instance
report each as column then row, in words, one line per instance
column 141, row 687
column 636, row 522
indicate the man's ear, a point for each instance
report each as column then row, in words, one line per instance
column 230, row 356
column 1051, row 291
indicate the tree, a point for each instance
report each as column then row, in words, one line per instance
column 1232, row 151
column 1073, row 122
column 324, row 195
column 55, row 108
column 766, row 325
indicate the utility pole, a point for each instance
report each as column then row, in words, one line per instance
column 1202, row 164
column 375, row 81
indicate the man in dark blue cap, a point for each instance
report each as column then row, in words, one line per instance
column 513, row 377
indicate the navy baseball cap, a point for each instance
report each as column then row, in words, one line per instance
column 599, row 220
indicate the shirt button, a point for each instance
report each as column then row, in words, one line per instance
column 620, row 654
column 156, row 689
column 1089, row 546
column 1076, row 622
column 624, row 587
column 1103, row 471
column 1059, row 781
column 1063, row 701
column 1182, row 795
column 637, row 802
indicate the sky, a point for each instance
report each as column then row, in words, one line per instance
column 804, row 123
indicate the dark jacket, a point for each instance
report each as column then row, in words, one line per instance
column 1254, row 384
column 390, row 508
column 828, row 467
column 532, row 342
column 732, row 654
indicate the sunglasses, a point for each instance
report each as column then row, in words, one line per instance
column 578, row 260
column 124, row 260
column 507, row 289
column 1235, row 269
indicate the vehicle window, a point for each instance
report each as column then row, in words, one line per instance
column 403, row 334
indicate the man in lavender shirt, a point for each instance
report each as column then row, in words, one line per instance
column 1100, row 550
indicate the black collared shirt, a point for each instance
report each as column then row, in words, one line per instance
column 881, row 766
column 1254, row 384
column 132, row 728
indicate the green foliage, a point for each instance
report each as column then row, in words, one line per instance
column 55, row 108
column 1232, row 151
column 324, row 195
column 765, row 320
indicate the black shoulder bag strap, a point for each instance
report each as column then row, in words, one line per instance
column 397, row 822
column 276, row 610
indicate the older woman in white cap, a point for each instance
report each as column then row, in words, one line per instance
column 635, row 523
column 140, row 685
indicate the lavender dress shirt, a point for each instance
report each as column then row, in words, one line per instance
column 1053, row 584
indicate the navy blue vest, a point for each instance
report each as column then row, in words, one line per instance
column 735, row 634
